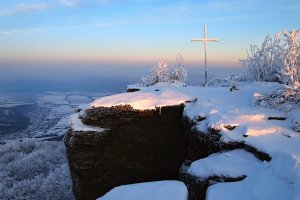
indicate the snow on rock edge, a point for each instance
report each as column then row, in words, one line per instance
column 158, row 190
column 143, row 100
column 76, row 125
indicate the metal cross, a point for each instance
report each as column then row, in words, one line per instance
column 205, row 49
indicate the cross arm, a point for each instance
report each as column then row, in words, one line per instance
column 205, row 39
column 213, row 40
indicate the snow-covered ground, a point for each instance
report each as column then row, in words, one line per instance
column 34, row 170
column 277, row 179
column 50, row 115
column 30, row 167
column 143, row 100
column 173, row 190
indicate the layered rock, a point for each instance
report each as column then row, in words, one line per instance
column 204, row 143
column 227, row 166
column 141, row 145
column 141, row 142
column 201, row 144
column 134, row 146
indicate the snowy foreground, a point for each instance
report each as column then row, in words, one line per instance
column 174, row 190
column 34, row 170
column 30, row 166
column 276, row 179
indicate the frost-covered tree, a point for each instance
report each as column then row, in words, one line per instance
column 150, row 78
column 177, row 72
column 290, row 72
column 162, row 71
column 165, row 72
column 34, row 170
column 157, row 74
column 231, row 81
column 263, row 63
column 277, row 58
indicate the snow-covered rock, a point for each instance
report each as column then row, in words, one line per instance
column 220, row 121
column 257, row 129
column 76, row 125
column 110, row 144
column 143, row 100
column 235, row 163
column 160, row 190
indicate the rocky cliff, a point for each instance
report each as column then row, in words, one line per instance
column 201, row 145
column 134, row 146
column 211, row 139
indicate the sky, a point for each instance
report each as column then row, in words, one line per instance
column 123, row 35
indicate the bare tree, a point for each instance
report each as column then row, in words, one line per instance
column 164, row 72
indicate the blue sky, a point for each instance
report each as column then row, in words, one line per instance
column 137, row 32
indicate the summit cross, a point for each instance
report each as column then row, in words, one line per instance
column 205, row 40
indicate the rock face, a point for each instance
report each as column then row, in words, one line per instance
column 197, row 186
column 137, row 146
column 203, row 144
column 143, row 145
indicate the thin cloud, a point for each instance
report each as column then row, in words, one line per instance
column 217, row 11
column 11, row 32
column 19, row 31
column 289, row 8
column 24, row 9
column 29, row 8
column 6, row 13
column 68, row 2
column 104, row 1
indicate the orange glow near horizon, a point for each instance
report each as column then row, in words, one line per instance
column 190, row 58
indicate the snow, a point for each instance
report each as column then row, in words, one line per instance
column 157, row 85
column 143, row 100
column 277, row 179
column 233, row 164
column 13, row 104
column 294, row 117
column 10, row 100
column 55, row 99
column 159, row 190
column 78, row 99
column 34, row 170
column 275, row 137
column 263, row 180
column 30, row 167
column 76, row 124
column 221, row 108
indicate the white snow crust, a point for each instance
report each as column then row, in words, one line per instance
column 143, row 100
column 159, row 190
column 233, row 164
column 276, row 180
column 76, row 124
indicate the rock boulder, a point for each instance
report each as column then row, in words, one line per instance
column 136, row 146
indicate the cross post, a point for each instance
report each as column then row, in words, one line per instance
column 205, row 40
